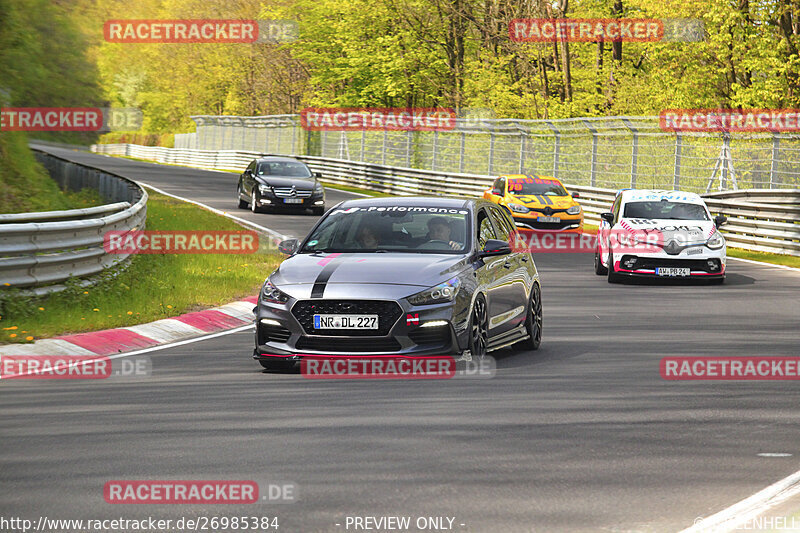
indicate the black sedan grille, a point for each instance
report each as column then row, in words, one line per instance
column 388, row 312
column 286, row 192
column 332, row 344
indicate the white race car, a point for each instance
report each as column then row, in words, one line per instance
column 667, row 234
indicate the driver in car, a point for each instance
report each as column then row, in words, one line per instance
column 439, row 230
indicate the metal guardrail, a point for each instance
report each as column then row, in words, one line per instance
column 759, row 219
column 40, row 251
column 607, row 152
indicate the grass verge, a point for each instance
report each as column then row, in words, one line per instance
column 151, row 288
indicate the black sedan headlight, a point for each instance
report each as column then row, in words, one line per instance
column 264, row 189
column 271, row 293
column 443, row 292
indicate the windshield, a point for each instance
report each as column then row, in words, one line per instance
column 396, row 229
column 665, row 210
column 525, row 186
column 293, row 169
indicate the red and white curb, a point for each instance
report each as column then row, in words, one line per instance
column 165, row 331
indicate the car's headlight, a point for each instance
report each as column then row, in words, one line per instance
column 716, row 241
column 264, row 189
column 574, row 210
column 271, row 293
column 443, row 292
column 518, row 208
column 318, row 187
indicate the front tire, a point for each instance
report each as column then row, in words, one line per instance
column 277, row 366
column 533, row 321
column 599, row 269
column 318, row 211
column 613, row 277
column 242, row 203
column 479, row 328
column 254, row 207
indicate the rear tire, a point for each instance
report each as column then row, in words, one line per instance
column 613, row 277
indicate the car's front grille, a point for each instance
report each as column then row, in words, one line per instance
column 535, row 224
column 286, row 192
column 272, row 333
column 388, row 312
column 651, row 263
column 438, row 336
column 338, row 344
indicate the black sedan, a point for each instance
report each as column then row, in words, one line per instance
column 280, row 182
column 401, row 276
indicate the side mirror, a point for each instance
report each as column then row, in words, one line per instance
column 720, row 220
column 495, row 247
column 289, row 246
column 608, row 217
column 318, row 175
column 576, row 195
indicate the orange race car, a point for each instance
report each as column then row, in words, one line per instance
column 537, row 203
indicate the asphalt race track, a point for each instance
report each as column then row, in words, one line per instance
column 583, row 435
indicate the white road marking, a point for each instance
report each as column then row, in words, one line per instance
column 773, row 454
column 762, row 263
column 734, row 516
column 242, row 221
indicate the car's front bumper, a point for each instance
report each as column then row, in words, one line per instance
column 567, row 223
column 269, row 199
column 709, row 265
column 281, row 335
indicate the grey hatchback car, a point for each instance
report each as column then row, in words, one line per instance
column 407, row 276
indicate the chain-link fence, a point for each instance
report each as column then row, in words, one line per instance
column 609, row 152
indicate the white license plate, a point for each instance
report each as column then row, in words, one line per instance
column 548, row 219
column 345, row 321
column 672, row 271
column 293, row 200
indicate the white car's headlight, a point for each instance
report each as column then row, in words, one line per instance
column 443, row 292
column 716, row 241
column 574, row 210
column 271, row 293
column 518, row 208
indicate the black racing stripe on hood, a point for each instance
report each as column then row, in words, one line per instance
column 325, row 274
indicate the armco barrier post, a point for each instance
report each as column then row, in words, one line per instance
column 634, row 152
column 556, row 147
column 773, row 166
column 676, row 184
column 593, row 174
